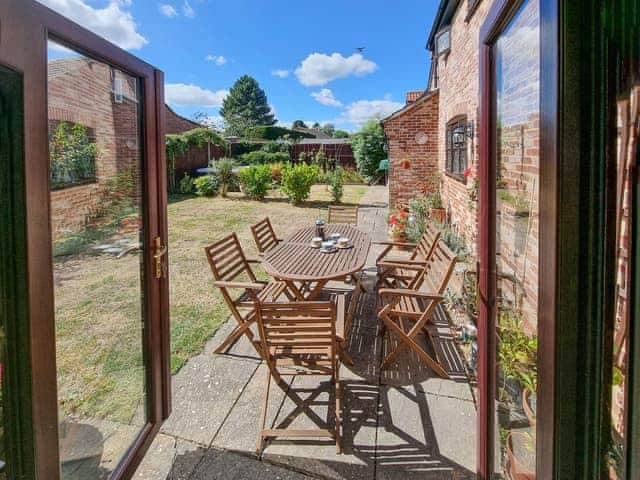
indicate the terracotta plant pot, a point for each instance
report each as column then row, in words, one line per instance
column 528, row 407
column 515, row 467
column 438, row 214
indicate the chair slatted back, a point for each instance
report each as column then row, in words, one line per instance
column 288, row 329
column 227, row 260
column 341, row 214
column 427, row 243
column 264, row 235
column 438, row 271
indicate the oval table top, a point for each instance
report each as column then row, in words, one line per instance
column 295, row 259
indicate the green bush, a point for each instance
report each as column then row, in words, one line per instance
column 241, row 148
column 226, row 177
column 73, row 156
column 336, row 185
column 273, row 132
column 186, row 184
column 256, row 181
column 275, row 147
column 261, row 157
column 352, row 176
column 368, row 148
column 297, row 181
column 276, row 173
column 207, row 185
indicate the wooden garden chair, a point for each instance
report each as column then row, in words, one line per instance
column 299, row 338
column 397, row 272
column 407, row 311
column 343, row 214
column 233, row 273
column 264, row 235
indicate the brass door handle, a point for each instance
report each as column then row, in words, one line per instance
column 159, row 252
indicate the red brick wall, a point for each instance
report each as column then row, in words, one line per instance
column 458, row 81
column 195, row 157
column 80, row 91
column 412, row 135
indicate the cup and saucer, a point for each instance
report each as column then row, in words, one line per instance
column 316, row 242
column 343, row 243
column 328, row 247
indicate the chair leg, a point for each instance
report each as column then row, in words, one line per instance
column 234, row 336
column 344, row 356
column 338, row 428
column 263, row 417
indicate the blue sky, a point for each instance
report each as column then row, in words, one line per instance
column 303, row 54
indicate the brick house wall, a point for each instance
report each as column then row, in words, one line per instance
column 458, row 84
column 412, row 134
column 194, row 157
column 80, row 91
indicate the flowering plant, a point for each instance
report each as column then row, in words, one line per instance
column 397, row 221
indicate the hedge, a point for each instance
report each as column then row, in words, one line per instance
column 272, row 132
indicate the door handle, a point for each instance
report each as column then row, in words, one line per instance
column 159, row 252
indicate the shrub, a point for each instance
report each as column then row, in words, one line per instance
column 368, row 148
column 226, row 177
column 275, row 147
column 186, row 184
column 256, row 181
column 336, row 185
column 297, row 181
column 207, row 185
column 352, row 176
column 73, row 156
column 276, row 173
column 273, row 132
column 260, row 157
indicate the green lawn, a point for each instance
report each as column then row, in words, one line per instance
column 99, row 361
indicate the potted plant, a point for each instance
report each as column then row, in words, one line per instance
column 397, row 222
column 520, row 448
column 436, row 209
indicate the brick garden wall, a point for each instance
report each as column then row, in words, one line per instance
column 412, row 135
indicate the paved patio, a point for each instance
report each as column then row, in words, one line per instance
column 403, row 422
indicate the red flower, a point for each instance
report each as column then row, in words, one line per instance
column 405, row 164
column 403, row 214
column 467, row 172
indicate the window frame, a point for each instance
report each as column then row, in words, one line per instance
column 453, row 153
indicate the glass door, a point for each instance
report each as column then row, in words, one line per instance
column 95, row 214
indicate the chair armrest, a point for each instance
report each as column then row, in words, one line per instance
column 245, row 285
column 399, row 244
column 407, row 266
column 254, row 260
column 405, row 292
column 404, row 262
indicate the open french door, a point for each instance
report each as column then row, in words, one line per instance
column 89, row 327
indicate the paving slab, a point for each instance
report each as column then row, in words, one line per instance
column 221, row 465
column 408, row 440
column 239, row 432
column 204, row 392
column 319, row 457
column 170, row 458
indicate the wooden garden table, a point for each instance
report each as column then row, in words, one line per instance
column 307, row 270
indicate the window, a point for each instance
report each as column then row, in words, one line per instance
column 443, row 41
column 456, row 146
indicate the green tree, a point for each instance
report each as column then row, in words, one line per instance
column 298, row 124
column 246, row 106
column 315, row 125
column 368, row 148
column 340, row 134
column 329, row 129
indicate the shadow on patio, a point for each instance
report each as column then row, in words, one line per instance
column 401, row 422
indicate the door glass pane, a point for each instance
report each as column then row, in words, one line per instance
column 517, row 64
column 96, row 220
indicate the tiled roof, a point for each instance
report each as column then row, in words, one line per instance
column 413, row 96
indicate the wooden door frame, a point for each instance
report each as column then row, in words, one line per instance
column 26, row 26
column 501, row 13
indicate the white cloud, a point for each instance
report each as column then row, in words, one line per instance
column 325, row 97
column 359, row 112
column 192, row 95
column 320, row 69
column 168, row 11
column 217, row 59
column 188, row 10
column 113, row 22
column 280, row 73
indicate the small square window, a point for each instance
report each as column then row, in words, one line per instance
column 443, row 41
